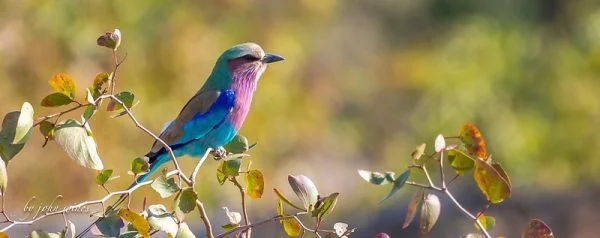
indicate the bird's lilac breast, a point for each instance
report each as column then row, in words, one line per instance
column 243, row 86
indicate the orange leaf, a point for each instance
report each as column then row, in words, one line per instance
column 63, row 83
column 473, row 140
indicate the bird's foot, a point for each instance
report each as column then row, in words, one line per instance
column 219, row 153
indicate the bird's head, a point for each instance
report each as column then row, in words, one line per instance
column 245, row 61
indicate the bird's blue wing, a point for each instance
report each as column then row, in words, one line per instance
column 203, row 112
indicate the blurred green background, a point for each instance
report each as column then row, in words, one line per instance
column 364, row 82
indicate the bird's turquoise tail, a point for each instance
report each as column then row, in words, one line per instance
column 156, row 160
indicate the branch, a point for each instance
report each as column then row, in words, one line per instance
column 165, row 145
column 58, row 114
column 65, row 210
column 447, row 192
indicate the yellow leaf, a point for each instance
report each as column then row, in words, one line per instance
column 491, row 182
column 255, row 184
column 137, row 221
column 63, row 83
column 488, row 222
column 291, row 226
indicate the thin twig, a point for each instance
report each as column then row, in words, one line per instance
column 198, row 165
column 464, row 211
column 273, row 219
column 446, row 191
column 443, row 177
column 41, row 119
column 204, row 217
column 244, row 209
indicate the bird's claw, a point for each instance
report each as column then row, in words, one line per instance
column 219, row 153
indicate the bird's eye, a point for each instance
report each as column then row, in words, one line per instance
column 250, row 57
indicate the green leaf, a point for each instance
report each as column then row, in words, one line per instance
column 411, row 210
column 287, row 201
column 125, row 97
column 279, row 208
column 184, row 231
column 24, row 124
column 221, row 178
column 305, row 189
column 78, row 143
column 89, row 112
column 46, row 128
column 103, row 176
column 255, row 184
column 460, row 161
column 42, row 234
column 56, row 100
column 488, row 222
column 491, row 182
column 7, row 149
column 231, row 167
column 376, row 178
column 537, row 229
column 63, row 83
column 324, row 206
column 238, row 145
column 398, row 183
column 229, row 226
column 186, row 200
column 160, row 219
column 430, row 212
column 136, row 220
column 109, row 226
column 165, row 187
column 140, row 166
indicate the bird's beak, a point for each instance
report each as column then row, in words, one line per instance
column 271, row 58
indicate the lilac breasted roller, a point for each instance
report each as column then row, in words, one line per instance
column 214, row 115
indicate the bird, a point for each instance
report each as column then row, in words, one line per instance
column 215, row 114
